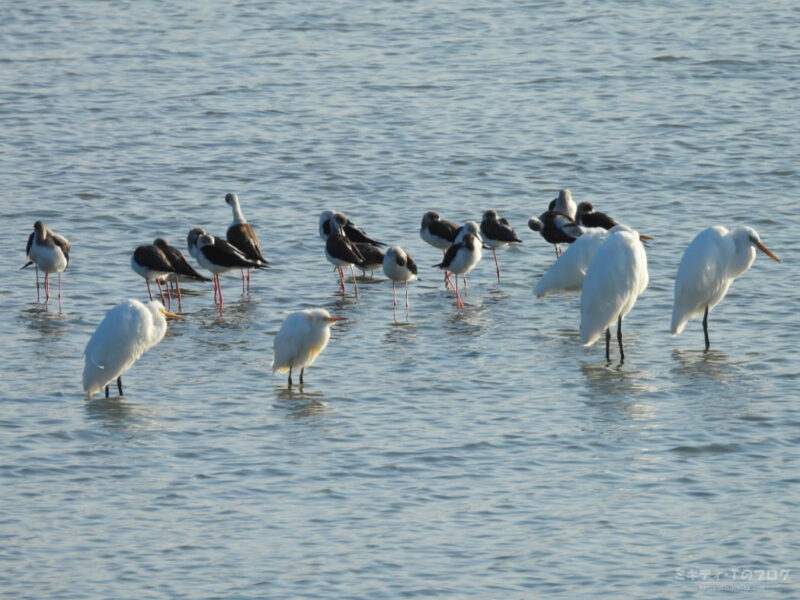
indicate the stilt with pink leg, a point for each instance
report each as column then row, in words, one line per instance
column 219, row 256
column 48, row 251
column 460, row 259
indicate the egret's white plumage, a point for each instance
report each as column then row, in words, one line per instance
column 712, row 261
column 124, row 334
column 567, row 272
column 616, row 275
column 301, row 338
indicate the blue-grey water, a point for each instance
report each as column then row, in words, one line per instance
column 475, row 454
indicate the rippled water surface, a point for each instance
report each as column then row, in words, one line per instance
column 483, row 453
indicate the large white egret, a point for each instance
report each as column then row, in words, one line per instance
column 48, row 251
column 712, row 261
column 614, row 279
column 567, row 272
column 124, row 334
column 301, row 338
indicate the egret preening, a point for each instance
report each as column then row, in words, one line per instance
column 614, row 279
column 712, row 261
column 302, row 336
column 48, row 251
column 567, row 272
column 242, row 236
column 496, row 233
column 399, row 266
column 125, row 333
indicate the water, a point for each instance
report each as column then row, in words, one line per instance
column 481, row 454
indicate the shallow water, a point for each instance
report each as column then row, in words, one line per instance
column 481, row 453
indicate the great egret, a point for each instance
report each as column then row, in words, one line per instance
column 556, row 227
column 125, row 333
column 496, row 233
column 615, row 277
column 460, row 259
column 302, row 336
column 564, row 204
column 242, row 236
column 351, row 232
column 712, row 261
column 567, row 272
column 48, row 251
column 399, row 266
column 219, row 256
column 341, row 251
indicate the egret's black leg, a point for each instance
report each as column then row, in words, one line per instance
column 619, row 339
column 119, row 384
column 290, row 376
column 705, row 328
column 608, row 343
column 301, row 375
column 106, row 391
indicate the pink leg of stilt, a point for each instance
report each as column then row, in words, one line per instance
column 219, row 288
column 59, row 292
column 46, row 286
column 340, row 273
column 248, row 281
column 147, row 281
column 355, row 285
column 466, row 290
column 459, row 303
column 243, row 288
column 407, row 304
column 496, row 264
column 394, row 294
column 178, row 290
column 160, row 291
column 36, row 268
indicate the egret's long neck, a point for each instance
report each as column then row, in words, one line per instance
column 743, row 257
column 238, row 217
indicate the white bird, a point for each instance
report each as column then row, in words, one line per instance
column 712, row 261
column 301, row 338
column 399, row 266
column 567, row 272
column 614, row 279
column 564, row 204
column 124, row 334
column 48, row 251
column 460, row 259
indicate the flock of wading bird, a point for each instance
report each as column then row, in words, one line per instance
column 605, row 261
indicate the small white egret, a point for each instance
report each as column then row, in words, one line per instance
column 616, row 275
column 496, row 233
column 301, row 338
column 242, row 236
column 399, row 266
column 48, row 251
column 124, row 334
column 712, row 261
